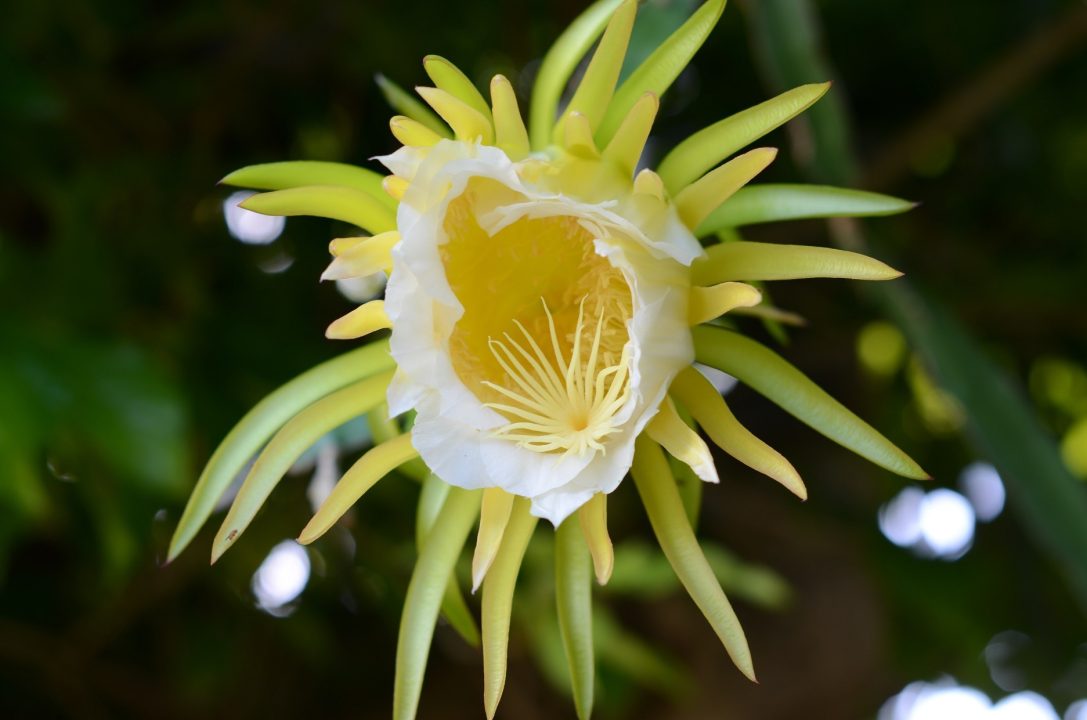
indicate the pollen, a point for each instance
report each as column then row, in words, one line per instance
column 561, row 402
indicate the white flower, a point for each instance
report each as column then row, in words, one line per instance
column 535, row 334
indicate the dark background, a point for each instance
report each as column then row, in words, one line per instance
column 135, row 331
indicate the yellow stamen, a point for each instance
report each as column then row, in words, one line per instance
column 560, row 403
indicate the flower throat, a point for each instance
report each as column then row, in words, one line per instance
column 543, row 339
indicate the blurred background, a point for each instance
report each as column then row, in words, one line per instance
column 143, row 315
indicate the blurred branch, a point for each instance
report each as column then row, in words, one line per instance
column 1003, row 426
column 965, row 107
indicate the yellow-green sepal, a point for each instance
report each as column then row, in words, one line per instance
column 300, row 173
column 260, row 423
column 662, row 502
column 769, row 374
column 425, row 591
column 288, row 444
column 753, row 261
column 559, row 64
column 408, row 105
column 454, row 608
column 334, row 202
column 773, row 202
column 497, row 601
column 573, row 599
column 689, row 160
column 657, row 73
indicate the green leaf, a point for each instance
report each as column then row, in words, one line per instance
column 660, row 69
column 558, row 65
column 771, row 203
column 689, row 160
column 288, row 444
column 1000, row 422
column 300, row 173
column 328, row 201
column 246, row 438
column 23, row 496
column 625, row 651
column 768, row 374
column 756, row 584
column 662, row 503
column 497, row 601
column 1049, row 500
column 754, row 261
column 428, row 582
column 573, row 598
column 408, row 105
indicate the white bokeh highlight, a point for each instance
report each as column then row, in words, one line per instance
column 981, row 484
column 947, row 700
column 1076, row 711
column 900, row 519
column 947, row 523
column 247, row 226
column 281, row 578
column 939, row 523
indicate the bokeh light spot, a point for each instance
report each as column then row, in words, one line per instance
column 1076, row 711
column 1024, row 706
column 900, row 519
column 881, row 348
column 281, row 578
column 947, row 523
column 250, row 227
column 981, row 484
column 1074, row 448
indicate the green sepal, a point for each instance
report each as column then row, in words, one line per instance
column 573, row 601
column 300, row 173
column 689, row 160
column 497, row 601
column 260, row 423
column 769, row 374
column 448, row 77
column 288, row 444
column 559, row 64
column 754, row 261
column 657, row 73
column 334, row 202
column 773, row 202
column 435, row 565
column 454, row 607
column 657, row 488
column 410, row 106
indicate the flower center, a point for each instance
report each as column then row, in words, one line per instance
column 543, row 339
